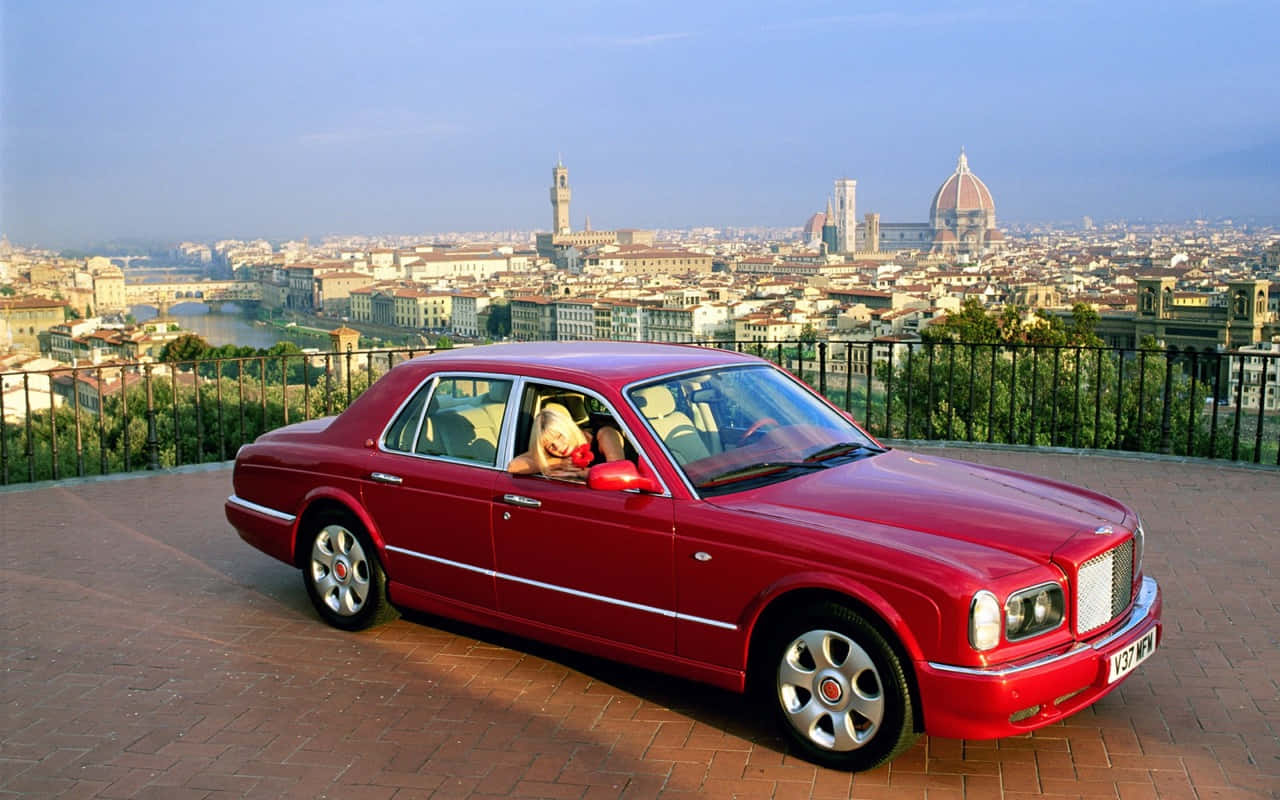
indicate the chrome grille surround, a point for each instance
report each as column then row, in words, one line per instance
column 1104, row 586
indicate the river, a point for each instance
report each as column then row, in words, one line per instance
column 229, row 326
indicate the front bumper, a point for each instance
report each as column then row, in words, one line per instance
column 977, row 703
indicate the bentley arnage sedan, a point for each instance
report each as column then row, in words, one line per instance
column 751, row 536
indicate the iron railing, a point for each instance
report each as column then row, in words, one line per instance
column 77, row 421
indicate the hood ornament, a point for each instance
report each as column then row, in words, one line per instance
column 1103, row 530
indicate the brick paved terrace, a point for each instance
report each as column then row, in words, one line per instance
column 148, row 652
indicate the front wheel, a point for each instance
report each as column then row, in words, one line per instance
column 343, row 577
column 838, row 690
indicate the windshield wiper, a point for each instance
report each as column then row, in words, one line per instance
column 840, row 449
column 757, row 470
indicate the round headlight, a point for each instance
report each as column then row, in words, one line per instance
column 1041, row 607
column 984, row 621
column 1014, row 615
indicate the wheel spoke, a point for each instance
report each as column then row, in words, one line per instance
column 855, row 662
column 846, row 736
column 792, row 674
column 806, row 717
column 818, row 644
column 869, row 706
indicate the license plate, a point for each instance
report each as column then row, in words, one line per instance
column 1127, row 660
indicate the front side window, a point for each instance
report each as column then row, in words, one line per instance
column 734, row 428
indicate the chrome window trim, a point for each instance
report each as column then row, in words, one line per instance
column 270, row 512
column 1141, row 612
column 663, row 612
column 757, row 363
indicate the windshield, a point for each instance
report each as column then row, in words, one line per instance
column 734, row 428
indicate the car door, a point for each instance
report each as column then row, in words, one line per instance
column 589, row 561
column 430, row 487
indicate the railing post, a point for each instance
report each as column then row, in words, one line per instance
column 284, row 386
column 929, row 399
column 1192, row 411
column 153, row 440
column 53, row 424
column 177, row 429
column 1033, row 428
column 1119, row 398
column 306, row 387
column 911, row 349
column 973, row 369
column 1166, row 437
column 1142, row 397
column 102, row 422
column 1235, row 433
column 1075, row 414
column 1217, row 398
column 240, row 381
column 222, row 430
column 4, row 440
column 1262, row 403
column 31, row 453
column 822, row 368
column 848, row 377
column 991, row 398
column 1053, row 395
column 348, row 375
column 888, row 394
column 1097, row 395
column 1013, row 397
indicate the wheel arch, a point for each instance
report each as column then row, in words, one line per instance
column 792, row 599
column 323, row 499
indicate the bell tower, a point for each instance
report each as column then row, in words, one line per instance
column 560, row 198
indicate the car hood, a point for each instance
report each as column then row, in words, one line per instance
column 1020, row 514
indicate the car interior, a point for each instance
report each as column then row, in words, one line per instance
column 587, row 413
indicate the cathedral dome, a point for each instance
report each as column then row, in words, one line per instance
column 963, row 192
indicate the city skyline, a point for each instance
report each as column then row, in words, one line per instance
column 144, row 120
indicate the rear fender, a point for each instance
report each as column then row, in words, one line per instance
column 333, row 494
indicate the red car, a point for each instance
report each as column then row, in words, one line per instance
column 753, row 537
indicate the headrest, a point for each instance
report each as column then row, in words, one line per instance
column 655, row 401
column 558, row 410
column 498, row 391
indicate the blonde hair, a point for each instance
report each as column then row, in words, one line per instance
column 553, row 417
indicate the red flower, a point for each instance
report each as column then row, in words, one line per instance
column 582, row 456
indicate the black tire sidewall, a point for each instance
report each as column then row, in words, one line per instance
column 894, row 732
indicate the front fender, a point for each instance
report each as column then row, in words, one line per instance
column 910, row 616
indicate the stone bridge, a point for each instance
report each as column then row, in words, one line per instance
column 163, row 295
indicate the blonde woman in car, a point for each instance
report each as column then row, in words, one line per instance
column 560, row 449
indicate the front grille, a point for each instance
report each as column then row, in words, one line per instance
column 1104, row 586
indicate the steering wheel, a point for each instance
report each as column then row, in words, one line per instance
column 758, row 425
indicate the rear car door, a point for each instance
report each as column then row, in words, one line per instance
column 430, row 487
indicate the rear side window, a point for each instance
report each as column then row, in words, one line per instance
column 400, row 436
column 464, row 419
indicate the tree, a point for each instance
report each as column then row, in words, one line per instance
column 499, row 324
column 444, row 343
column 187, row 347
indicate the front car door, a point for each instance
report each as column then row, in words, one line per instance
column 592, row 562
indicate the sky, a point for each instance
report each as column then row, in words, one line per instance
column 207, row 120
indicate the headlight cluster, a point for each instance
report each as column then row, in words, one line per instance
column 1027, row 613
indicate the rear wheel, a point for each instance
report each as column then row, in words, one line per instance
column 837, row 689
column 343, row 577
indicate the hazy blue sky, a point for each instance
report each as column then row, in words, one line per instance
column 279, row 119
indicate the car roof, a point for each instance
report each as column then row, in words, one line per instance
column 617, row 362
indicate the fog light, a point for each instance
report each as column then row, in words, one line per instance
column 1026, row 713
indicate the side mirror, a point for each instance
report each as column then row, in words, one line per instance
column 618, row 476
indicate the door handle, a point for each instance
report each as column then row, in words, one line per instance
column 521, row 500
column 383, row 477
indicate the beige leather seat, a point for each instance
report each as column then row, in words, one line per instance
column 672, row 426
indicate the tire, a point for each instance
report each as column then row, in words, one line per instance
column 342, row 574
column 837, row 689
